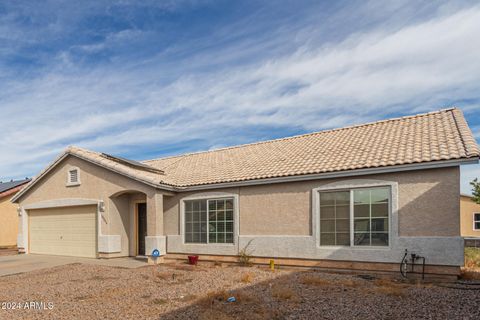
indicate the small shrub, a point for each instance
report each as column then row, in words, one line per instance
column 245, row 255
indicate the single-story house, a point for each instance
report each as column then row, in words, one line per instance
column 9, row 212
column 348, row 198
column 469, row 217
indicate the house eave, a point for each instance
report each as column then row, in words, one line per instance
column 66, row 154
column 319, row 176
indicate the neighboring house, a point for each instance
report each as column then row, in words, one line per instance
column 350, row 198
column 469, row 217
column 9, row 213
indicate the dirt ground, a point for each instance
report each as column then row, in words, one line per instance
column 79, row 291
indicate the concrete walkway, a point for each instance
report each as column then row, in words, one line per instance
column 30, row 262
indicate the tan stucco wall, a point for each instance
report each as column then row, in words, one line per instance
column 428, row 205
column 8, row 222
column 98, row 184
column 429, row 202
column 467, row 208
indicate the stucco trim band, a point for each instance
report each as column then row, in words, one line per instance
column 57, row 203
column 437, row 250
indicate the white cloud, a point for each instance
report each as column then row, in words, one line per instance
column 363, row 78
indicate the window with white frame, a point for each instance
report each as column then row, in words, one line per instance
column 355, row 217
column 209, row 220
column 476, row 221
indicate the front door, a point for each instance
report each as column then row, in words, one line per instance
column 141, row 227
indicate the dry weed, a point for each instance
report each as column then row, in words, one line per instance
column 245, row 297
column 389, row 287
column 214, row 297
column 470, row 275
column 284, row 293
column 164, row 275
column 315, row 281
column 159, row 301
column 393, row 291
column 247, row 278
column 348, row 283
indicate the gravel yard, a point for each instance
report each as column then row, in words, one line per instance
column 80, row 291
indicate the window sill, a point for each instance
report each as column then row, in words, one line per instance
column 209, row 244
column 355, row 247
column 73, row 184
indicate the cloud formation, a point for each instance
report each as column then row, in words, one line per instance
column 127, row 87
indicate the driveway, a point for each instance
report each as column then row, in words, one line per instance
column 30, row 262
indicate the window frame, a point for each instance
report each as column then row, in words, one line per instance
column 208, row 197
column 351, row 190
column 71, row 183
column 476, row 221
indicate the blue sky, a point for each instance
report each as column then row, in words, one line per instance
column 145, row 79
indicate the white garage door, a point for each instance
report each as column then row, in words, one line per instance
column 68, row 231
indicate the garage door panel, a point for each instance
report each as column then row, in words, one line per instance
column 63, row 231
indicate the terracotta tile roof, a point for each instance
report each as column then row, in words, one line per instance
column 434, row 136
column 137, row 172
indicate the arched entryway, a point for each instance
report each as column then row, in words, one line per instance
column 131, row 206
